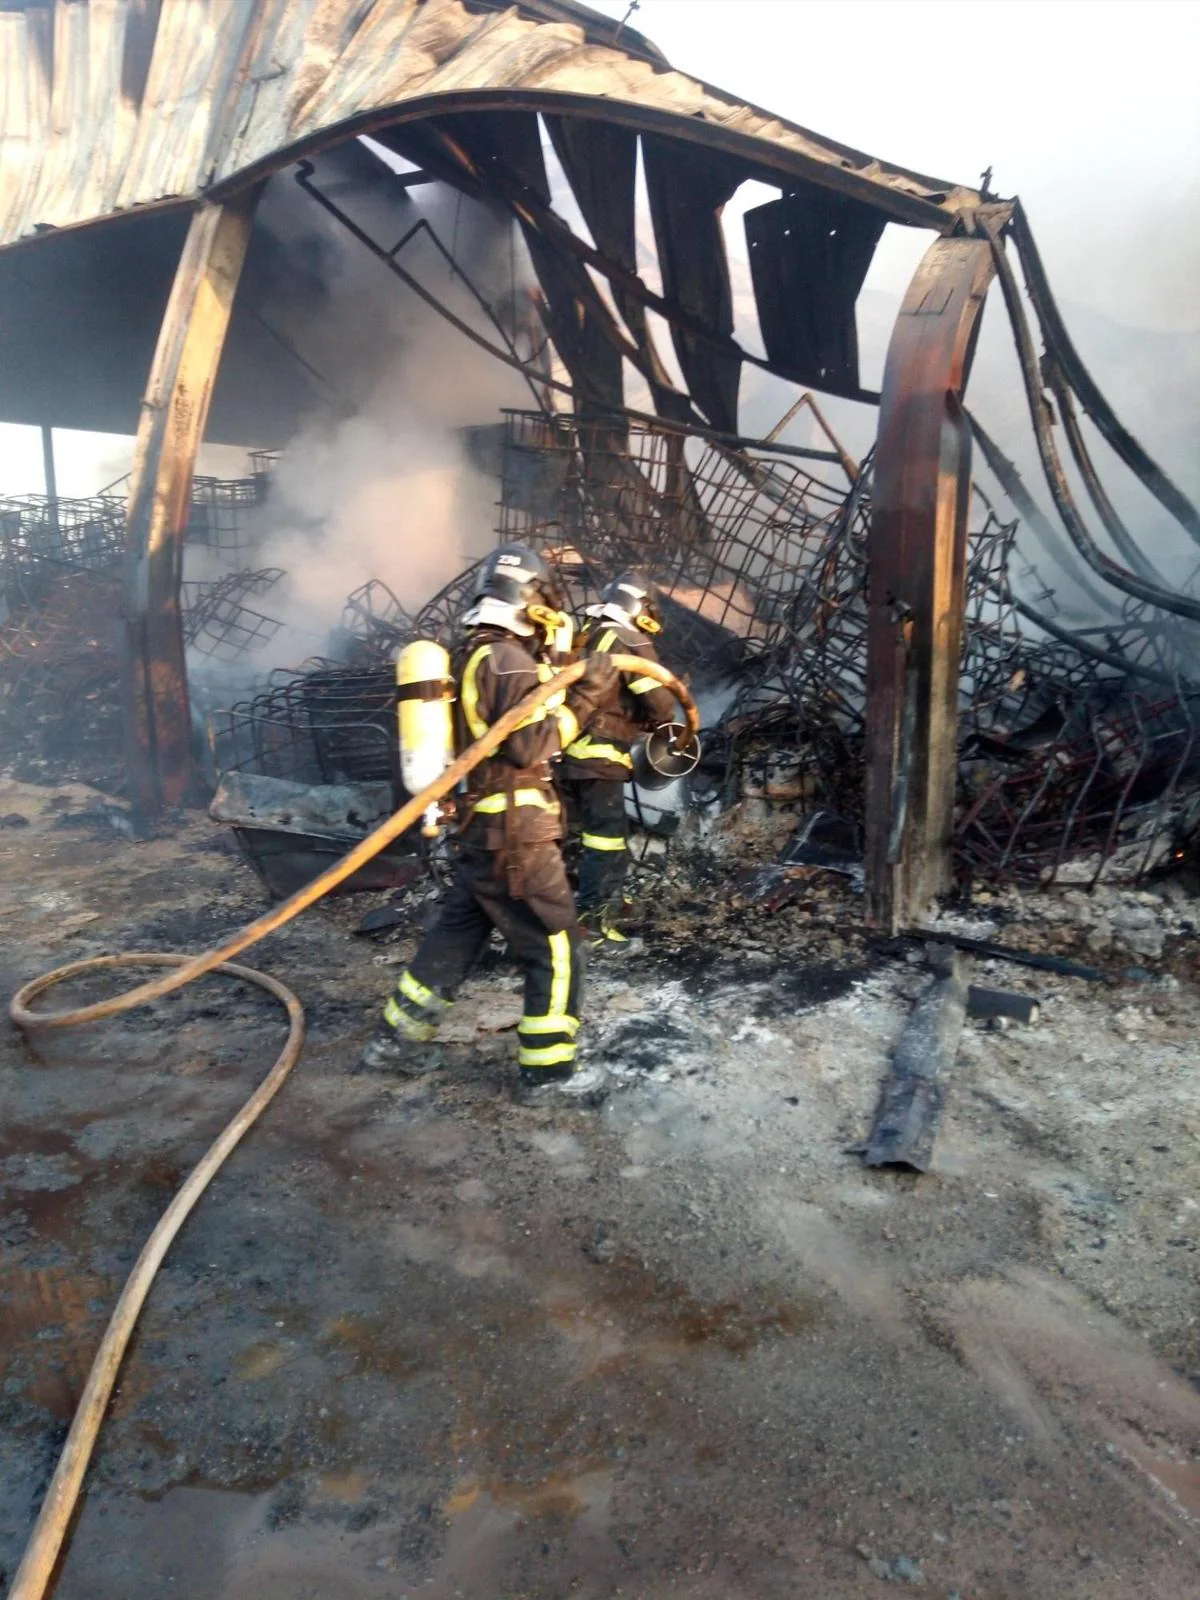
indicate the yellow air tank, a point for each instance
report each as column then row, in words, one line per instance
column 424, row 698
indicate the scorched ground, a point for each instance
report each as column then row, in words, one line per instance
column 419, row 1341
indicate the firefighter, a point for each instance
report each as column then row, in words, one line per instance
column 597, row 765
column 509, row 872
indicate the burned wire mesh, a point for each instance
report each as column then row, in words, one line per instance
column 39, row 536
column 1110, row 794
column 218, row 625
column 61, row 609
column 327, row 723
column 1066, row 766
column 374, row 623
column 722, row 533
column 221, row 519
column 1079, row 753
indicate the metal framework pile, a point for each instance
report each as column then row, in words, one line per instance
column 62, row 591
column 219, row 519
column 1078, row 751
column 39, row 536
column 728, row 537
column 217, row 624
column 325, row 723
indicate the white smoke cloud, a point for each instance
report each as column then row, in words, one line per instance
column 387, row 492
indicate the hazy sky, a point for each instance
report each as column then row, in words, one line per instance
column 1089, row 109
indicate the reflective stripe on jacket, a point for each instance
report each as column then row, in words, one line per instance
column 635, row 703
column 497, row 674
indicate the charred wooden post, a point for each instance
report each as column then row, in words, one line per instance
column 917, row 547
column 158, row 739
column 911, row 1100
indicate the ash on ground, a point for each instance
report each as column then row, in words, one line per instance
column 418, row 1340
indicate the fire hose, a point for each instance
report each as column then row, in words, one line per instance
column 49, row 1532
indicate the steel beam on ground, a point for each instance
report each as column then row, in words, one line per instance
column 917, row 549
column 158, row 736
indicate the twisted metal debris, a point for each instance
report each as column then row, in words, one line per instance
column 61, row 616
column 218, row 625
column 1071, row 766
column 1079, row 749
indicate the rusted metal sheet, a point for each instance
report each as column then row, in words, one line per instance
column 158, row 735
column 111, row 104
column 915, row 598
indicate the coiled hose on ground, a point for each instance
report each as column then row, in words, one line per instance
column 49, row 1532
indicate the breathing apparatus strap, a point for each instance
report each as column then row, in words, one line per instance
column 427, row 689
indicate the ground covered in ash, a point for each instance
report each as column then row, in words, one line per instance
column 418, row 1341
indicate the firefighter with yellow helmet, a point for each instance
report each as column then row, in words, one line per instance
column 509, row 871
column 597, row 765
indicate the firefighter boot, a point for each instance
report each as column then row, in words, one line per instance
column 603, row 936
column 389, row 1051
column 580, row 1088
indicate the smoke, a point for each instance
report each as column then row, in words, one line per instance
column 387, row 494
column 377, row 483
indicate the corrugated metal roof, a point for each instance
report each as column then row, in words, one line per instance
column 108, row 105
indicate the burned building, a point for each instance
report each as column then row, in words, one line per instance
column 158, row 173
column 449, row 272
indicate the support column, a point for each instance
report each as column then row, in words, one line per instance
column 917, row 556
column 158, row 736
column 49, row 472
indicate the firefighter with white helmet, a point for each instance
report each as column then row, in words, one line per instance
column 597, row 765
column 509, row 872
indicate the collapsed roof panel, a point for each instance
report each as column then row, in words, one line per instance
column 823, row 258
column 113, row 106
column 686, row 197
column 809, row 254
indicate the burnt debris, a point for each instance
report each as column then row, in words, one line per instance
column 1078, row 752
column 911, row 1101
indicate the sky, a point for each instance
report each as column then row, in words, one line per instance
column 1088, row 109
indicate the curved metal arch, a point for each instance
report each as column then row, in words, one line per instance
column 108, row 108
column 765, row 160
column 917, row 558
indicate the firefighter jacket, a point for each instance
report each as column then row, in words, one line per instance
column 511, row 799
column 636, row 704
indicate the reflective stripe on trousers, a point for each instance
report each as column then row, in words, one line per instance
column 492, row 804
column 548, row 1040
column 415, row 1009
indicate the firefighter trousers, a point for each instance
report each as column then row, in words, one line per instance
column 542, row 933
column 604, row 842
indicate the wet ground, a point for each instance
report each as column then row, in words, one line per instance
column 416, row 1340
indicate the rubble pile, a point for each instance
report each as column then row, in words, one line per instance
column 61, row 606
column 1119, row 926
column 1072, row 770
column 1079, row 761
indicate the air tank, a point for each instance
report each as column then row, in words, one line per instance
column 424, row 702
